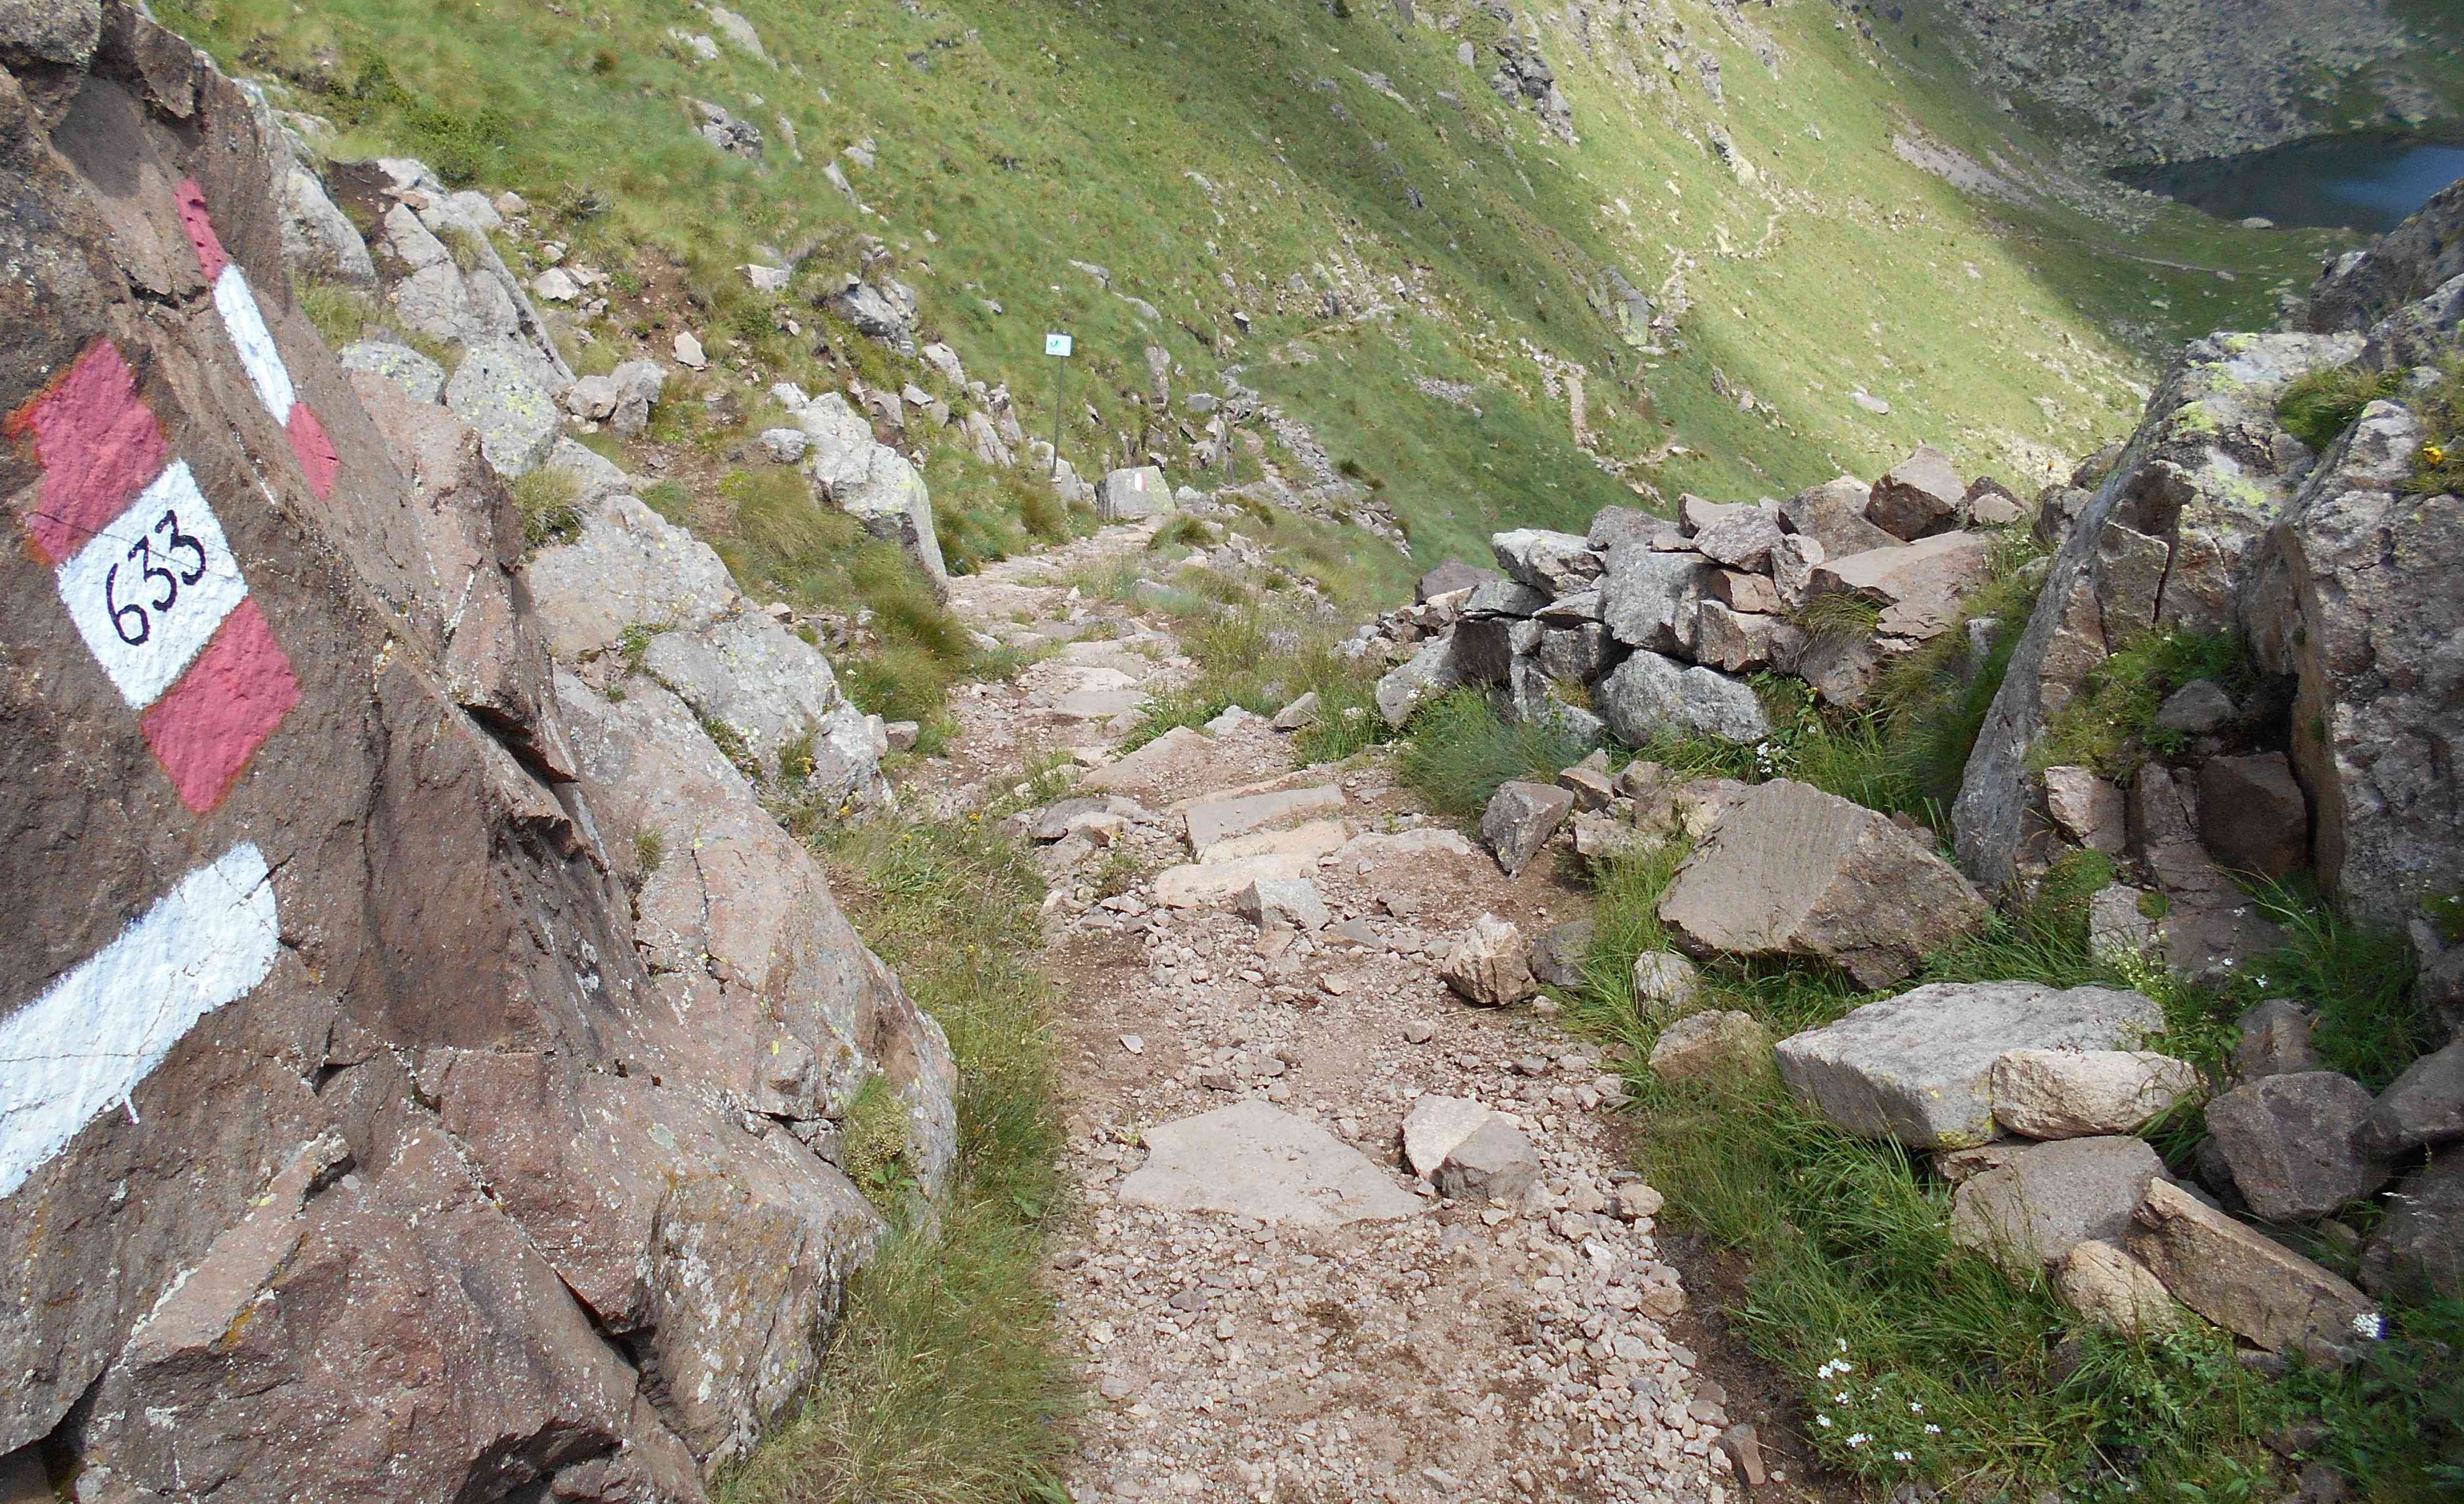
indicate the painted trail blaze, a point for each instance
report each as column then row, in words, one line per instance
column 80, row 1049
column 140, row 558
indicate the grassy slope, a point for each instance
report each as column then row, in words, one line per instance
column 1023, row 135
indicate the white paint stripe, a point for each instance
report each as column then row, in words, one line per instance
column 256, row 351
column 170, row 530
column 80, row 1049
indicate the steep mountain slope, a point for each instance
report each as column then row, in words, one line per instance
column 1687, row 260
column 2170, row 80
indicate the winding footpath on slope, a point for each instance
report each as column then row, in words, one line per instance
column 1335, row 1330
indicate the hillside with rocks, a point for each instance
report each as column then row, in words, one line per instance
column 632, row 889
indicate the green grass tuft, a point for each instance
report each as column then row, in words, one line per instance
column 946, row 1382
column 2322, row 403
column 1460, row 749
column 549, row 502
column 2110, row 725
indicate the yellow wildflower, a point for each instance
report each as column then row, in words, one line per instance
column 2434, row 455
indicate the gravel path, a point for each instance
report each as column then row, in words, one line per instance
column 1457, row 1350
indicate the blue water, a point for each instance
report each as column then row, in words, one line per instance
column 2366, row 182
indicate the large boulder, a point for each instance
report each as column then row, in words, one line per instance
column 1918, row 1067
column 1649, row 596
column 1918, row 586
column 2244, row 1282
column 1520, row 819
column 2164, row 544
column 1555, row 563
column 1125, row 496
column 2052, row 1197
column 775, row 696
column 2289, row 1141
column 1648, row 695
column 2423, row 1106
column 628, row 567
column 353, row 1149
column 2355, row 595
column 871, row 482
column 1920, row 497
column 1426, row 675
column 1741, row 541
column 1832, row 514
column 2418, row 1254
column 2078, row 1093
column 1790, row 871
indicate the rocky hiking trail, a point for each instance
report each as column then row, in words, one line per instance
column 1270, row 1303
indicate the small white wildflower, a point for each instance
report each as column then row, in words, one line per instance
column 1823, row 1420
column 1931, row 1430
column 1842, row 1398
column 1843, row 1344
column 1860, row 1439
column 1903, row 1457
column 2369, row 1324
column 1914, row 1408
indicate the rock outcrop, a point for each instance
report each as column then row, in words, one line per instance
column 361, row 1092
column 2354, row 597
column 2167, row 542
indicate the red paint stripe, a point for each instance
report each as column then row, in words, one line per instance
column 193, row 218
column 314, row 449
column 212, row 723
column 98, row 446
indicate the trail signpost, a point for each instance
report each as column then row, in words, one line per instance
column 1059, row 347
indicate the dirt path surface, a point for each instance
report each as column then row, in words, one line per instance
column 1272, row 1305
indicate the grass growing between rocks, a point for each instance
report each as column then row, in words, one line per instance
column 1920, row 1361
column 1462, row 749
column 945, row 1384
column 2110, row 726
column 1259, row 643
column 781, row 544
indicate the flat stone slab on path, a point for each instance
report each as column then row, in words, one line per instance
column 1185, row 761
column 1251, row 1160
column 1221, row 819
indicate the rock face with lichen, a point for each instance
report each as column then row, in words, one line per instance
column 377, row 1103
column 2166, row 545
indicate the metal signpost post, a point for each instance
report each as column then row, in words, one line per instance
column 1059, row 347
